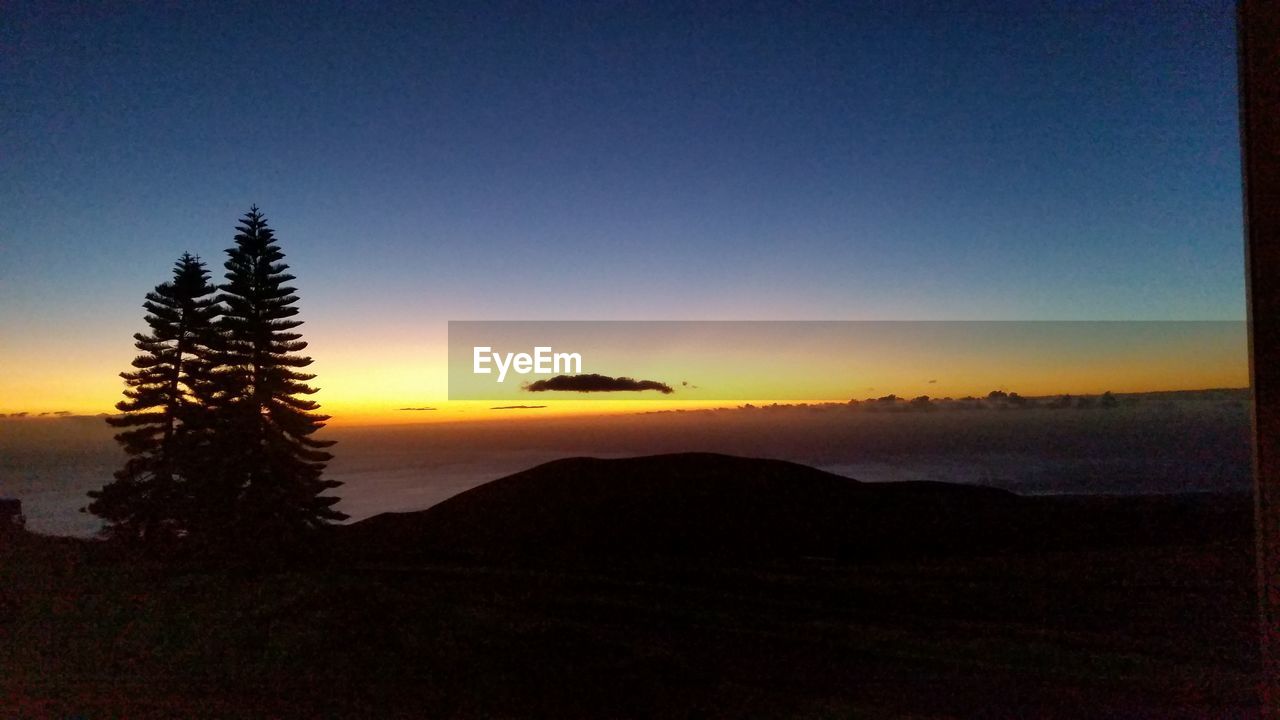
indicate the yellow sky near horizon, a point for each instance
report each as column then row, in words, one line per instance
column 357, row 389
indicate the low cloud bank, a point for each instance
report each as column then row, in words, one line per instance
column 596, row 383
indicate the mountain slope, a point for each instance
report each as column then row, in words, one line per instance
column 695, row 505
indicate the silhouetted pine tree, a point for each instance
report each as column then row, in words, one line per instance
column 149, row 499
column 270, row 463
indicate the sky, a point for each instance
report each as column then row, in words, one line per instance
column 606, row 161
column 818, row 361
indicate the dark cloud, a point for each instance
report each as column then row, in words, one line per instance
column 596, row 383
column 417, row 408
column 518, row 407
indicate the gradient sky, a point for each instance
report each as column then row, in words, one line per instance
column 608, row 161
column 821, row 361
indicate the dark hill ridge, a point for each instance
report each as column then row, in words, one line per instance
column 703, row 506
column 552, row 609
column 697, row 504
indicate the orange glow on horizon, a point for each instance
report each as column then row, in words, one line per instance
column 356, row 391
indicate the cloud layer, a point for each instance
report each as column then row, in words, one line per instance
column 596, row 383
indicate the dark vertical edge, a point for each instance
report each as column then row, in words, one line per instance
column 1258, row 32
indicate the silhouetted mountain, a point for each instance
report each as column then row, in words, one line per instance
column 702, row 506
column 666, row 586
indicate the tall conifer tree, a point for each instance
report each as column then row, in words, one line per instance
column 149, row 499
column 272, row 464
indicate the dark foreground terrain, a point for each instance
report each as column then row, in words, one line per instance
column 668, row 586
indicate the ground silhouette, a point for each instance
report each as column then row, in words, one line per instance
column 667, row 586
column 710, row 507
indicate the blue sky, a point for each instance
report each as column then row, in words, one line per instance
column 624, row 160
